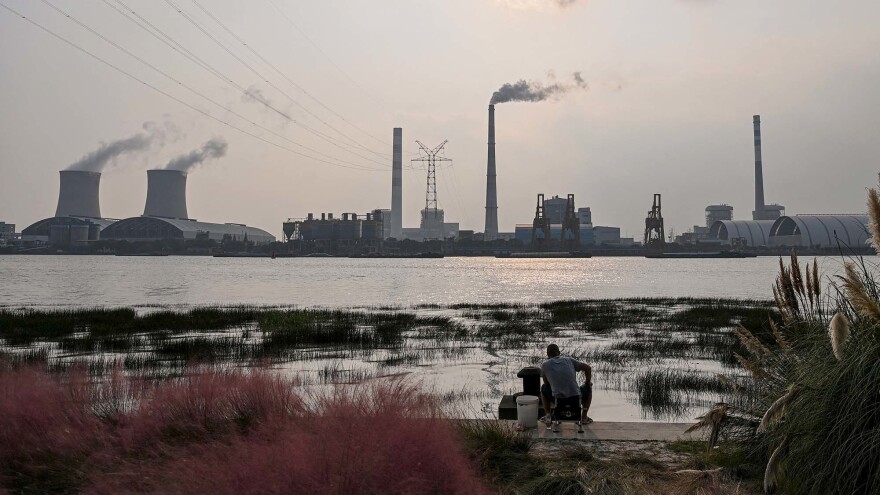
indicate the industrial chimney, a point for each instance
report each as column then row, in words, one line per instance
column 758, row 214
column 491, row 230
column 78, row 196
column 166, row 194
column 397, row 185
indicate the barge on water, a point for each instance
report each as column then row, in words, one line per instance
column 689, row 256
column 549, row 254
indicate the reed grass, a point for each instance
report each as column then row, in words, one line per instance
column 810, row 415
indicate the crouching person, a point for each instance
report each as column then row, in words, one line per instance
column 559, row 374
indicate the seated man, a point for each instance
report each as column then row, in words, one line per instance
column 560, row 382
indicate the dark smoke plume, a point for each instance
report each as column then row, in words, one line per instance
column 107, row 153
column 215, row 148
column 531, row 91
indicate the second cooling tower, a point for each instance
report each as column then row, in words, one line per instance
column 78, row 196
column 166, row 194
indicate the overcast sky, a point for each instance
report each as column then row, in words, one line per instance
column 673, row 85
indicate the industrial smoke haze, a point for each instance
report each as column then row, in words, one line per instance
column 107, row 153
column 530, row 91
column 214, row 148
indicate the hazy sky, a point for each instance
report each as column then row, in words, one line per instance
column 673, row 85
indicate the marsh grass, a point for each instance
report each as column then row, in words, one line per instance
column 669, row 392
column 619, row 337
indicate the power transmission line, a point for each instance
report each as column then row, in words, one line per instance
column 257, row 73
column 324, row 54
column 284, row 76
column 172, row 97
column 225, row 79
column 228, row 80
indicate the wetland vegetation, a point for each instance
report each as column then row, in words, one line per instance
column 664, row 355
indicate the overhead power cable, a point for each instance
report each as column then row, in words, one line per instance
column 172, row 97
column 284, row 76
column 257, row 73
column 174, row 45
column 334, row 64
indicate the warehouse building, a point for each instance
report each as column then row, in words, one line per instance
column 821, row 231
column 137, row 229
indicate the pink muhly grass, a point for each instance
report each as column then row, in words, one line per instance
column 209, row 404
column 38, row 413
column 224, row 432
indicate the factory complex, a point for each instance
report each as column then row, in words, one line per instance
column 558, row 225
column 78, row 220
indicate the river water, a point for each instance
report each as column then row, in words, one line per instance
column 343, row 282
column 480, row 377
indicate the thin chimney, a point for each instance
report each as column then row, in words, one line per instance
column 758, row 214
column 491, row 230
column 396, row 220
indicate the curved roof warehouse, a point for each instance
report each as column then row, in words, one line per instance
column 155, row 228
column 755, row 233
column 822, row 231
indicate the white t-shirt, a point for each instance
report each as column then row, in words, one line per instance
column 561, row 374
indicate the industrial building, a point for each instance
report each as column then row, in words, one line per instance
column 703, row 233
column 77, row 217
column 820, row 231
column 558, row 224
column 771, row 228
column 7, row 233
column 754, row 232
column 742, row 233
column 807, row 231
column 139, row 229
column 347, row 232
column 165, row 217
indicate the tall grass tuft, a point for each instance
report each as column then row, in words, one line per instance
column 816, row 387
column 223, row 431
column 838, row 331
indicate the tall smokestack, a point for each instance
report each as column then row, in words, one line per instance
column 758, row 214
column 491, row 230
column 166, row 194
column 397, row 185
column 78, row 196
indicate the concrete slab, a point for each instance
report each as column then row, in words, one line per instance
column 618, row 431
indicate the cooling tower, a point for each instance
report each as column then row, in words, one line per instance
column 491, row 230
column 78, row 196
column 397, row 185
column 166, row 194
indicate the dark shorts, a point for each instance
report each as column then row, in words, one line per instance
column 586, row 391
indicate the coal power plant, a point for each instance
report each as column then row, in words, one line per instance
column 770, row 227
column 78, row 219
column 165, row 217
